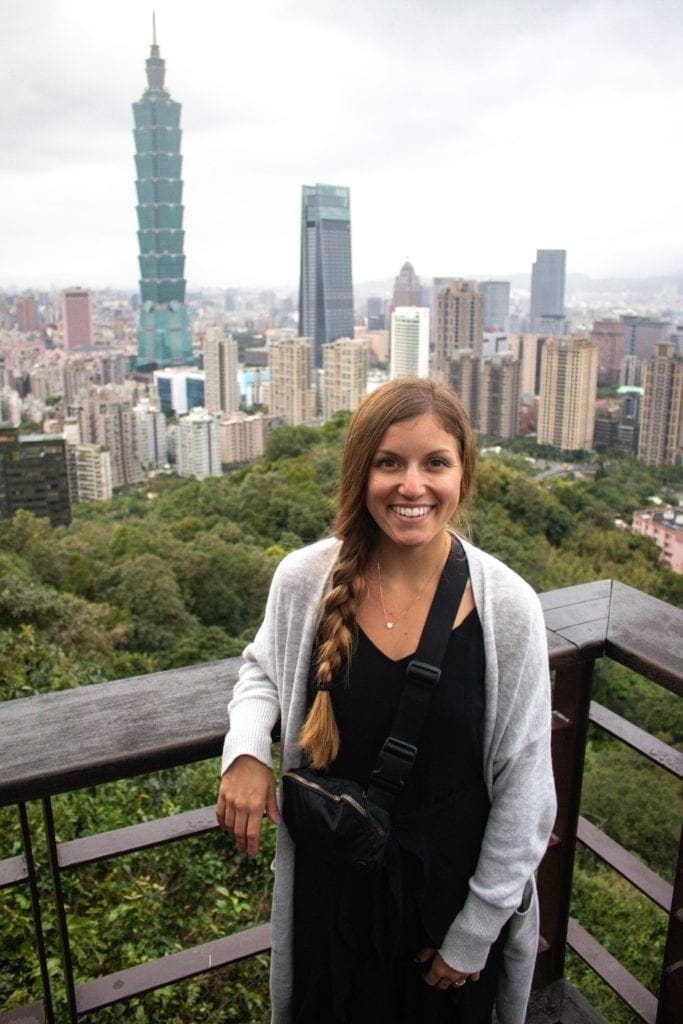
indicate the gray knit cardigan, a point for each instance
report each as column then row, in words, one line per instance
column 517, row 766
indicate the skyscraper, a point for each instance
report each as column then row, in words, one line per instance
column 77, row 318
column 548, row 273
column 661, row 423
column 566, row 403
column 326, row 283
column 496, row 304
column 220, row 368
column 163, row 331
column 459, row 320
column 499, row 396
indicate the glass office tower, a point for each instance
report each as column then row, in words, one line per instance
column 163, row 331
column 325, row 286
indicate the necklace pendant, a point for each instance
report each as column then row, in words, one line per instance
column 390, row 625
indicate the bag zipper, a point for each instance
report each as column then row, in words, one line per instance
column 336, row 798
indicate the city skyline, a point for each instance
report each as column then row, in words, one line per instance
column 538, row 120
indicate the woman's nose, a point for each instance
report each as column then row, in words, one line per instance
column 412, row 484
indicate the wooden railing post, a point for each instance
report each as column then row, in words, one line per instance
column 671, row 990
column 571, row 705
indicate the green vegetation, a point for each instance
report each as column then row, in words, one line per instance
column 177, row 573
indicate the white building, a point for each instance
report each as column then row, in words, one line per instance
column 197, row 445
column 89, row 468
column 150, row 435
column 180, row 388
column 409, row 342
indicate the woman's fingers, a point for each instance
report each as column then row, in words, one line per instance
column 440, row 975
column 247, row 792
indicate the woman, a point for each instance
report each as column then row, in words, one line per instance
column 343, row 616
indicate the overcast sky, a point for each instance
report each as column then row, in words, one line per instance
column 471, row 133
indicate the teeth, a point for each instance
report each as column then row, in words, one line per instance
column 411, row 511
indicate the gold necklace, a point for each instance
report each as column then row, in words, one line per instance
column 390, row 623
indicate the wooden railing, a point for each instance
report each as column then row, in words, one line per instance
column 61, row 742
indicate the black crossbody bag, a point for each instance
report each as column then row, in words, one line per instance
column 344, row 822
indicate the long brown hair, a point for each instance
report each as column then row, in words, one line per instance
column 394, row 402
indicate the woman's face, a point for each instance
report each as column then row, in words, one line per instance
column 413, row 486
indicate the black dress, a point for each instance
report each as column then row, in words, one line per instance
column 356, row 936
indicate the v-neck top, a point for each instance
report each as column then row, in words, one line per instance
column 353, row 935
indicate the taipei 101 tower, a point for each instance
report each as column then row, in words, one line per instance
column 163, row 332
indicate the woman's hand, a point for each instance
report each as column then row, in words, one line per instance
column 246, row 793
column 440, row 974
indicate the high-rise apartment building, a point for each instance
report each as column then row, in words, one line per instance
column 463, row 370
column 643, row 333
column 345, row 378
column 569, row 383
column 496, row 304
column 325, row 283
column 33, row 476
column 149, row 435
column 89, row 472
column 548, row 273
column 243, row 437
column 291, row 392
column 661, row 421
column 77, row 318
column 409, row 342
column 107, row 419
column 198, row 452
column 26, row 313
column 221, row 385
column 499, row 396
column 459, row 320
column 163, row 331
column 610, row 337
column 528, row 348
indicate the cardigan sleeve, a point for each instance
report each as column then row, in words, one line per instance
column 254, row 708
column 522, row 803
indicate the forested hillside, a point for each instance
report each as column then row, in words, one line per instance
column 177, row 573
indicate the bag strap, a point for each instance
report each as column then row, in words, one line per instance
column 399, row 750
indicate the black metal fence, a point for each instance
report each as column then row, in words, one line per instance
column 62, row 742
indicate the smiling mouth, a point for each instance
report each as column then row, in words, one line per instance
column 411, row 511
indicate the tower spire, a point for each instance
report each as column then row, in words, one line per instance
column 155, row 47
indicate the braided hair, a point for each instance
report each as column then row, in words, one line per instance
column 394, row 402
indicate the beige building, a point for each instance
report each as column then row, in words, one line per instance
column 528, row 348
column 377, row 342
column 661, row 420
column 568, row 389
column 243, row 437
column 89, row 468
column 106, row 418
column 291, row 392
column 499, row 396
column 221, row 386
column 345, row 375
column 458, row 320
